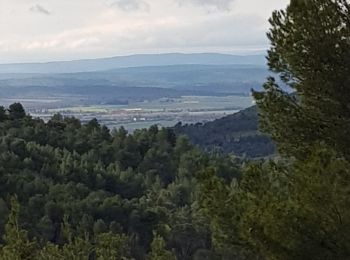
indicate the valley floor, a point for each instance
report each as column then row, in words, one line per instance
column 141, row 114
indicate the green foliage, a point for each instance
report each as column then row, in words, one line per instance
column 17, row 245
column 297, row 207
column 16, row 111
column 112, row 246
column 309, row 50
column 87, row 192
column 278, row 211
column 221, row 203
column 3, row 115
column 237, row 134
column 158, row 251
column 300, row 212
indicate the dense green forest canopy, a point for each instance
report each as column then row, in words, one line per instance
column 236, row 134
column 96, row 185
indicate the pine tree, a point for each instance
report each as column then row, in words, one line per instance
column 310, row 51
column 17, row 245
column 297, row 210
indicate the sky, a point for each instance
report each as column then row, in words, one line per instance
column 48, row 30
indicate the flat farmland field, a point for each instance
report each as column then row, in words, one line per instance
column 163, row 111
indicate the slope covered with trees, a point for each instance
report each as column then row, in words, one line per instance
column 82, row 189
column 236, row 134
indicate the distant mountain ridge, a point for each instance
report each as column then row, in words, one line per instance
column 137, row 60
column 137, row 83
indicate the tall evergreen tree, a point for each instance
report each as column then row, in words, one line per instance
column 297, row 210
column 310, row 50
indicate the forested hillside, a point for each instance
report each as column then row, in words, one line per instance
column 236, row 134
column 83, row 190
column 74, row 191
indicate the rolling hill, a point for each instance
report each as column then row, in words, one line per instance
column 234, row 134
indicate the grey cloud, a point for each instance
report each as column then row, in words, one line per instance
column 214, row 34
column 39, row 9
column 131, row 5
column 219, row 5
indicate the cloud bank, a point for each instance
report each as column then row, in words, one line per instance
column 105, row 28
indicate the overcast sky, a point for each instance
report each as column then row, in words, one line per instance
column 44, row 30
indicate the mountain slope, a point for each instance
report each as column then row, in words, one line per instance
column 237, row 134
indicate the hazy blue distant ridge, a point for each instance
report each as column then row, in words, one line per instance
column 138, row 60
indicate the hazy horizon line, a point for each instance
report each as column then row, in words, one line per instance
column 250, row 53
